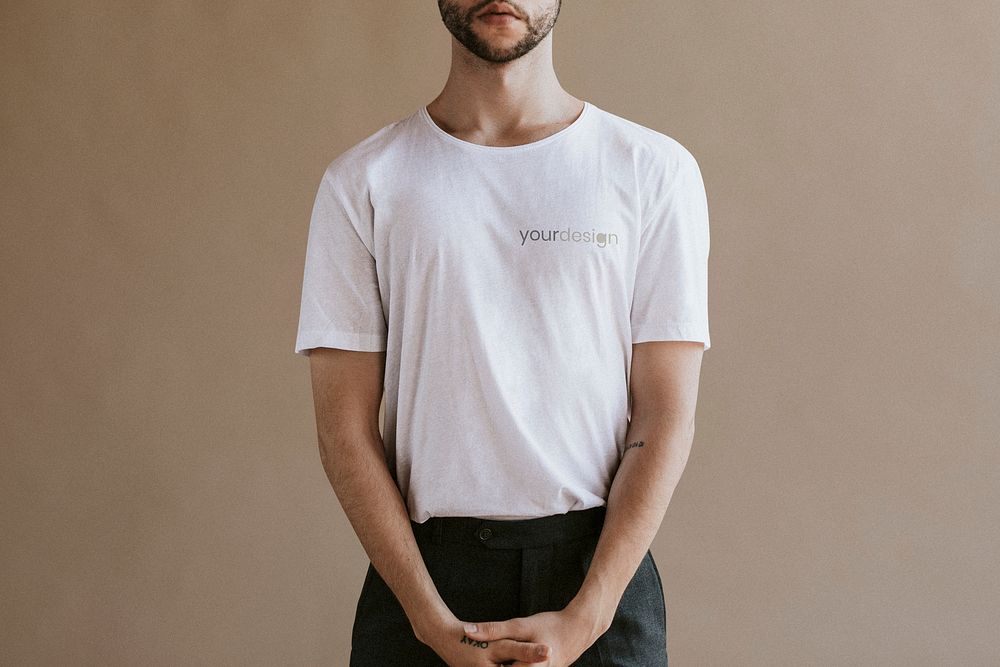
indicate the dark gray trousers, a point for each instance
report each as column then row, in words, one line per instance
column 493, row 570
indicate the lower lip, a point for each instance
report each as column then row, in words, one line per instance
column 499, row 19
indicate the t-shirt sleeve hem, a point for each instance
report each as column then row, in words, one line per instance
column 359, row 342
column 691, row 331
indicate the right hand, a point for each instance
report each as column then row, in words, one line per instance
column 448, row 639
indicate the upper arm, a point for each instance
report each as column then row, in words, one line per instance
column 347, row 389
column 670, row 292
column 664, row 378
column 341, row 305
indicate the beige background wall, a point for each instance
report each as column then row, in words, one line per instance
column 162, row 497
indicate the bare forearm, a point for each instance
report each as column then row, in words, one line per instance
column 655, row 456
column 357, row 470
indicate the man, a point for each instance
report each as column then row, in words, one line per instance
column 524, row 275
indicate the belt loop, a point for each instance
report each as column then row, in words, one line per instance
column 438, row 525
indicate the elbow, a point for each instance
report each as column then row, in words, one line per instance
column 348, row 448
column 325, row 451
column 689, row 427
column 664, row 419
column 324, row 456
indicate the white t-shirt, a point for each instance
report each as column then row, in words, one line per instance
column 506, row 285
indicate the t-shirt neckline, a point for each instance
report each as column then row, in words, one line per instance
column 423, row 113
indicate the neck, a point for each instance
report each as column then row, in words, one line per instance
column 492, row 98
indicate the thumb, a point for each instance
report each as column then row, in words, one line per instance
column 488, row 630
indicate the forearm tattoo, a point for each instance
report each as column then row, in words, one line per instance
column 637, row 443
column 478, row 644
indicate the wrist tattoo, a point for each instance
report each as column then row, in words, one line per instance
column 637, row 443
column 473, row 642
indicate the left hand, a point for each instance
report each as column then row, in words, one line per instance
column 567, row 634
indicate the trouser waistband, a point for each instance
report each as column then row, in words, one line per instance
column 510, row 533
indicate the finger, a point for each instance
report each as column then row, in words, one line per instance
column 504, row 650
column 490, row 630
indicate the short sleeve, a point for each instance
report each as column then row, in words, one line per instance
column 670, row 295
column 341, row 303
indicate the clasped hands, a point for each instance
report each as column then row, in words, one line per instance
column 545, row 639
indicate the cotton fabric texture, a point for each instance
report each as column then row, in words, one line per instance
column 506, row 285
